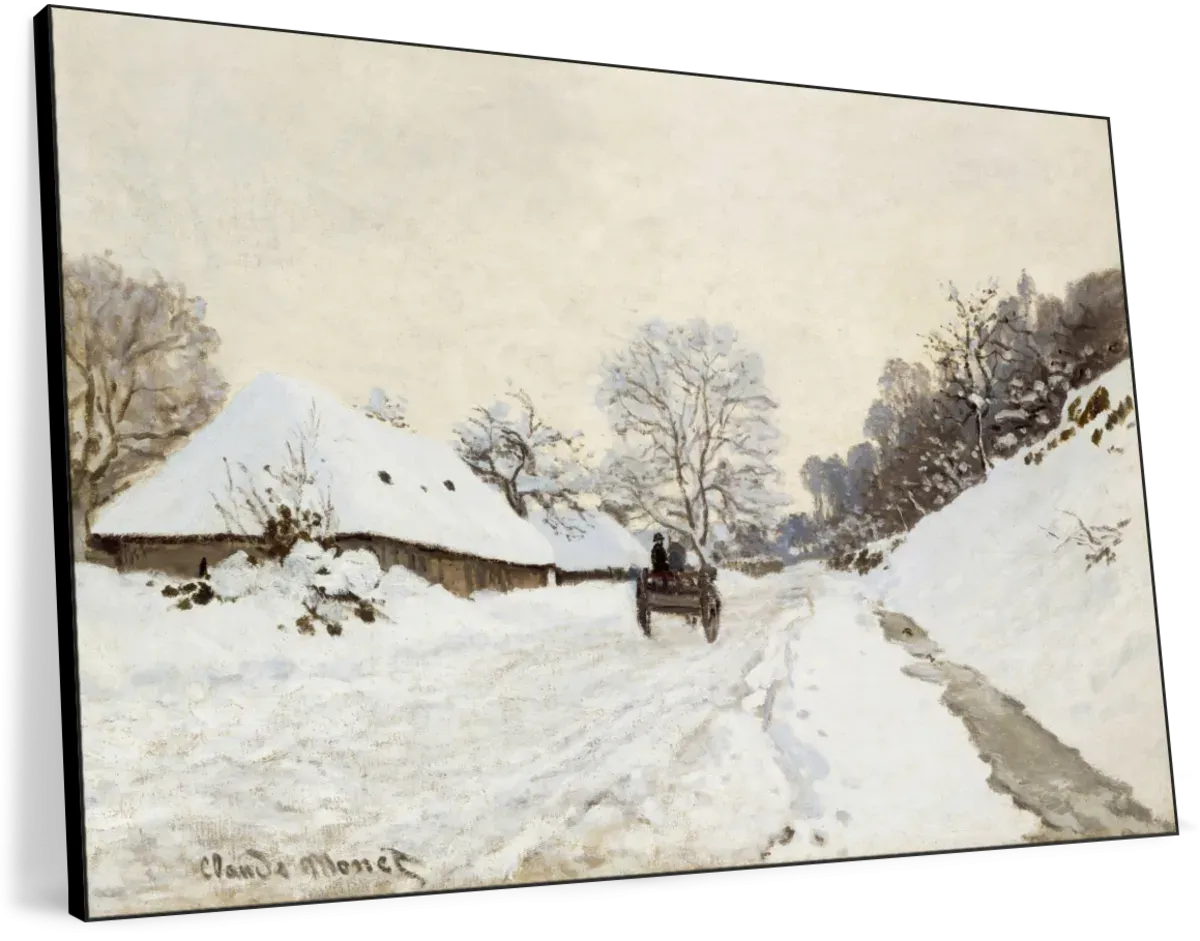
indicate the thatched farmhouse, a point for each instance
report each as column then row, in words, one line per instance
column 590, row 546
column 408, row 499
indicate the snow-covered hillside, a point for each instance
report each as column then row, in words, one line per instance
column 528, row 736
column 996, row 579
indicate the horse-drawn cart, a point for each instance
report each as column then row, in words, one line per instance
column 691, row 593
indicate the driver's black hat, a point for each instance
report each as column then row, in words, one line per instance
column 658, row 537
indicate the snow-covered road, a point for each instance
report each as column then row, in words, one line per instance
column 522, row 737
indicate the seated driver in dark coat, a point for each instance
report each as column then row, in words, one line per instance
column 658, row 556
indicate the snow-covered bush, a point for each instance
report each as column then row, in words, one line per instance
column 392, row 410
column 236, row 576
column 328, row 586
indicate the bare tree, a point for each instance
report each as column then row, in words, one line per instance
column 524, row 457
column 697, row 445
column 975, row 353
column 812, row 474
column 921, row 451
column 139, row 377
column 903, row 388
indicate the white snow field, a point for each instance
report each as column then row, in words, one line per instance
column 522, row 737
column 1078, row 647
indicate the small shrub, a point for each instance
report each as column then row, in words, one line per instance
column 204, row 594
column 170, row 591
column 1120, row 413
column 1096, row 436
column 1067, row 434
column 1073, row 408
column 335, row 630
column 1099, row 542
column 184, row 604
column 1096, row 406
column 868, row 561
column 305, row 624
column 365, row 611
column 861, row 562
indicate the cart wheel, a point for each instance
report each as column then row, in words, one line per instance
column 710, row 617
column 643, row 608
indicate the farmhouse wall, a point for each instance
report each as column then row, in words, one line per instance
column 181, row 557
column 599, row 575
column 461, row 575
column 457, row 573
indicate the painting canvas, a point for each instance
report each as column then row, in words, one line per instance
column 476, row 470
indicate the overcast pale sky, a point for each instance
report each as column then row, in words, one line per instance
column 440, row 223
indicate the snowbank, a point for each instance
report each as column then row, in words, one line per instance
column 1078, row 647
column 381, row 480
column 589, row 542
column 307, row 566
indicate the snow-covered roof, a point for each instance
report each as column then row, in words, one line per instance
column 590, row 542
column 383, row 481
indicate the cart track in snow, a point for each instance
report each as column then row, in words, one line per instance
column 1029, row 763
